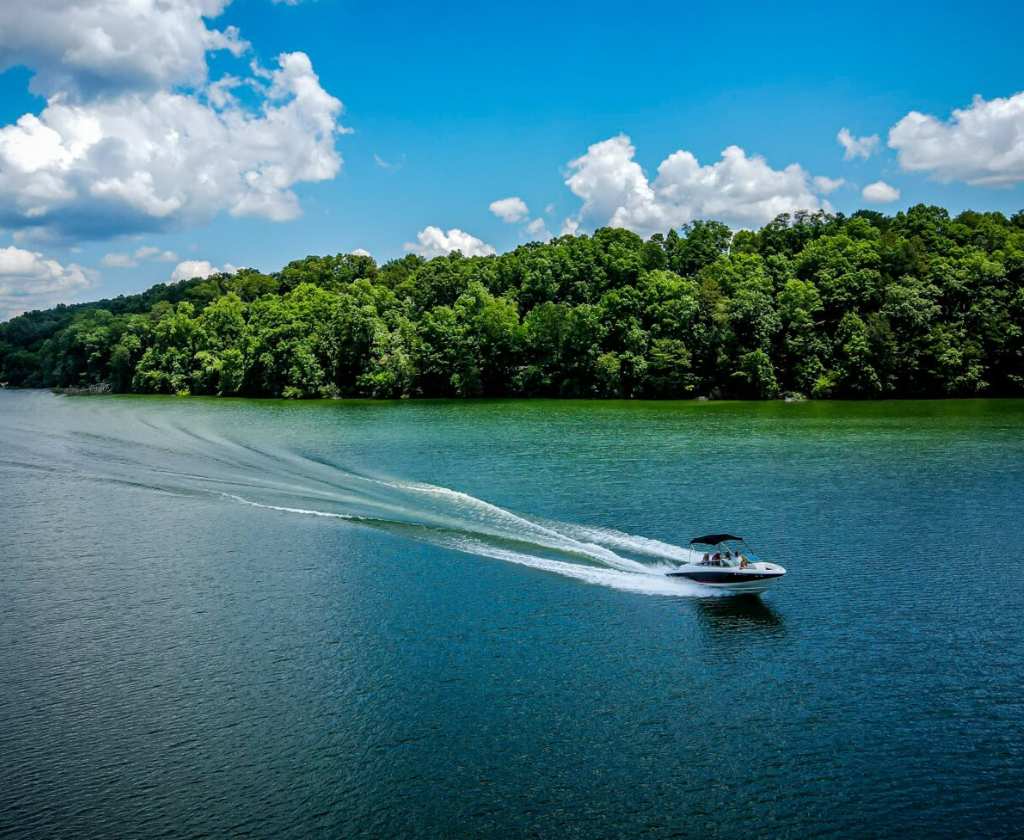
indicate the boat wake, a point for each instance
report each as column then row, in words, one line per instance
column 540, row 546
column 451, row 519
column 177, row 459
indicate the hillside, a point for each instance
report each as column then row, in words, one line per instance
column 820, row 305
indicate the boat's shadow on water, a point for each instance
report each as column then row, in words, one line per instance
column 747, row 614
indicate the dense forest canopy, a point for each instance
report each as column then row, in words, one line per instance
column 817, row 304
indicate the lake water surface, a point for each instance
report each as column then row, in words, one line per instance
column 425, row 619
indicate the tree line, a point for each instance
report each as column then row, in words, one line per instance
column 819, row 305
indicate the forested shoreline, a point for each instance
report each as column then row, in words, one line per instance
column 819, row 305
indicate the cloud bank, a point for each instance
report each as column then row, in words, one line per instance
column 135, row 138
column 88, row 48
column 741, row 190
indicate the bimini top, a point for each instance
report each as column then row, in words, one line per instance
column 715, row 539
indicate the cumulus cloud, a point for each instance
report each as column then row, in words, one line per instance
column 360, row 252
column 827, row 185
column 187, row 269
column 434, row 242
column 134, row 137
column 982, row 145
column 538, row 229
column 857, row 147
column 741, row 190
column 148, row 162
column 89, row 47
column 880, row 193
column 28, row 281
column 511, row 210
column 146, row 252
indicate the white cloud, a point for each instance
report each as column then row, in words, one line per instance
column 434, row 242
column 857, row 147
column 150, row 252
column 188, row 269
column 538, row 229
column 982, row 145
column 148, row 162
column 146, row 252
column 827, row 185
column 134, row 137
column 391, row 166
column 89, row 47
column 511, row 210
column 30, row 281
column 739, row 190
column 361, row 252
column 118, row 260
column 880, row 193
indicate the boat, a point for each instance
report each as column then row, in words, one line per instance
column 725, row 561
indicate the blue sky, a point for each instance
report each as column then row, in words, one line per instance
column 451, row 108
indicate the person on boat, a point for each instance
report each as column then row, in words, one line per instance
column 744, row 562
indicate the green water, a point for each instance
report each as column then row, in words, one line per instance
column 451, row 619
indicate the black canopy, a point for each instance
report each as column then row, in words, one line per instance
column 714, row 539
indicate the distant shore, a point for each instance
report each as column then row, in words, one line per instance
column 816, row 306
column 104, row 389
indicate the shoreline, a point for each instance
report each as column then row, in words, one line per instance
column 105, row 390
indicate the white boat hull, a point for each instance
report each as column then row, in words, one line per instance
column 753, row 579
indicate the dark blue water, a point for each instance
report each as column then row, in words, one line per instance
column 449, row 619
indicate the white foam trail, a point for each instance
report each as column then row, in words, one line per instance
column 640, row 579
column 284, row 509
column 554, row 536
column 633, row 543
column 291, row 483
column 649, row 583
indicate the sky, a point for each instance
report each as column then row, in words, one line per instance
column 148, row 141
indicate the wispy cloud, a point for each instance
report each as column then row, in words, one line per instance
column 144, row 254
column 391, row 166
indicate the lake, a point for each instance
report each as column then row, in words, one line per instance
column 424, row 619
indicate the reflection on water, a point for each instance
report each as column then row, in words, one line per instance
column 740, row 613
